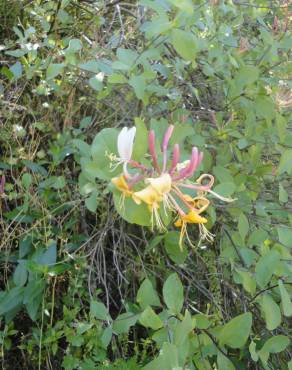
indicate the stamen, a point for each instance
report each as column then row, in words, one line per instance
column 176, row 206
column 205, row 233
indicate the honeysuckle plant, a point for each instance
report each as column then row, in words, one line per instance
column 157, row 188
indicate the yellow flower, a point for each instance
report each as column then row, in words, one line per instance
column 121, row 184
column 161, row 184
column 147, row 195
column 192, row 217
column 150, row 197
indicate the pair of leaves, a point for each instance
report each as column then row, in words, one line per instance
column 173, row 294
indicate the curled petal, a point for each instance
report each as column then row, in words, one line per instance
column 224, row 199
column 206, row 176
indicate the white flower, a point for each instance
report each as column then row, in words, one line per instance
column 125, row 143
column 125, row 146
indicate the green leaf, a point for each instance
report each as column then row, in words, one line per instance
column 20, row 274
column 168, row 359
column 132, row 212
column 271, row 312
column 25, row 246
column 224, row 363
column 124, row 321
column 248, row 281
column 185, row 44
column 74, row 45
column 105, row 144
column 59, row 182
column 126, row 59
column 158, row 26
column 265, row 267
column 184, row 5
column 285, row 164
column 54, row 70
column 117, row 78
column 243, row 225
column 286, row 300
column 91, row 201
column 173, row 293
column 32, row 307
column 253, row 352
column 202, row 321
column 183, row 329
column 90, row 66
column 141, row 140
column 106, row 337
column 26, row 180
column 285, row 235
column 139, row 85
column 99, row 311
column 173, row 250
column 225, row 189
column 147, row 295
column 16, row 69
column 264, row 107
column 11, row 299
column 247, row 75
column 276, row 344
column 96, row 82
column 33, row 290
column 235, row 333
column 49, row 257
column 283, row 195
column 149, row 319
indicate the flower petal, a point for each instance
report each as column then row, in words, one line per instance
column 125, row 143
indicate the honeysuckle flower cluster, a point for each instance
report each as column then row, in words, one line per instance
column 166, row 185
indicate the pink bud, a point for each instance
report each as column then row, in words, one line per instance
column 164, row 146
column 175, row 159
column 167, row 137
column 152, row 151
column 195, row 160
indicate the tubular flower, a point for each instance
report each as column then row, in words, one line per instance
column 125, row 145
column 169, row 183
column 161, row 184
column 153, row 199
column 121, row 184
